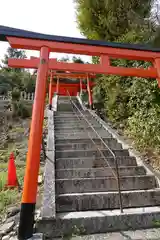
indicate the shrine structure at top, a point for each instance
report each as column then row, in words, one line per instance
column 45, row 44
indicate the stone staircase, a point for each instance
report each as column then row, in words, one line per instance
column 87, row 199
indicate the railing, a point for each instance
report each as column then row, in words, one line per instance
column 23, row 96
column 27, row 96
column 116, row 172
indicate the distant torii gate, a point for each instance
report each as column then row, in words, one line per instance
column 68, row 87
column 74, row 75
column 45, row 44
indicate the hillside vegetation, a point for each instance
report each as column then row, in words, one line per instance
column 129, row 102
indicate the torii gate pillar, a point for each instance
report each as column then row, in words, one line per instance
column 34, row 148
column 80, row 83
column 57, row 89
column 89, row 93
column 50, row 91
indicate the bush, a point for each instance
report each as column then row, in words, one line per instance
column 84, row 96
column 21, row 110
column 16, row 94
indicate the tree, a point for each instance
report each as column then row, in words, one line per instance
column 131, row 101
column 77, row 60
column 11, row 78
column 108, row 19
column 13, row 53
column 64, row 59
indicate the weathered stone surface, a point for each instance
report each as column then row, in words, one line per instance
column 48, row 209
column 90, row 153
column 80, row 135
column 99, row 200
column 85, row 145
column 13, row 238
column 98, row 172
column 37, row 214
column 10, row 219
column 146, row 234
column 91, row 222
column 40, row 179
column 6, row 227
column 93, row 162
column 103, row 184
column 11, row 234
column 7, row 237
column 37, row 236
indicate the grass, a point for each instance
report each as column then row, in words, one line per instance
column 8, row 196
column 17, row 130
column 19, row 148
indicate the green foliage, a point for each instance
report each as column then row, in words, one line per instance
column 84, row 96
column 110, row 19
column 21, row 110
column 135, row 102
column 77, row 60
column 8, row 197
column 11, row 78
column 13, row 53
column 16, row 94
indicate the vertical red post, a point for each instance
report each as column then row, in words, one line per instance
column 80, row 83
column 34, row 148
column 57, row 85
column 50, row 90
column 104, row 60
column 89, row 93
column 157, row 66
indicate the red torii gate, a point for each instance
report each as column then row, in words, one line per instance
column 62, row 88
column 45, row 44
column 71, row 76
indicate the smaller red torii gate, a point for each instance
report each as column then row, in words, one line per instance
column 72, row 88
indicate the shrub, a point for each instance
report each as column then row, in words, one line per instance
column 21, row 110
column 84, row 96
column 16, row 94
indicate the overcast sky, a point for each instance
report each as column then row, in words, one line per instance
column 55, row 17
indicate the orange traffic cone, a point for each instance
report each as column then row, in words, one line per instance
column 12, row 176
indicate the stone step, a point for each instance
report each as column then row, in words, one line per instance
column 75, row 125
column 61, row 114
column 98, row 172
column 103, row 184
column 87, row 135
column 73, row 120
column 90, row 145
column 91, row 153
column 91, row 222
column 73, row 117
column 64, row 105
column 68, row 123
column 61, row 109
column 85, row 141
column 64, row 163
column 77, row 128
column 106, row 200
column 80, row 130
